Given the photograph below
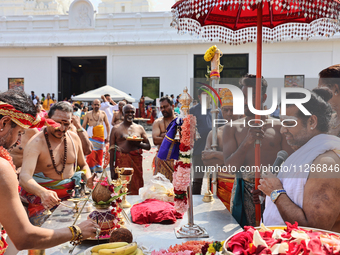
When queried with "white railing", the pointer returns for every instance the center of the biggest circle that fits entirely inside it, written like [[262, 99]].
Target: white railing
[[109, 29]]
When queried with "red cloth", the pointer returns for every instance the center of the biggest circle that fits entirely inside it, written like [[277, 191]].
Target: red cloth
[[154, 211], [132, 159]]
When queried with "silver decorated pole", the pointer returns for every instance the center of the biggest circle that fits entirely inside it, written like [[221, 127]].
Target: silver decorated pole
[[189, 230], [215, 79]]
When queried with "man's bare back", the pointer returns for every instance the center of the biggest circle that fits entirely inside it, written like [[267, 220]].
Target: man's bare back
[[321, 193], [120, 132], [17, 152], [44, 164]]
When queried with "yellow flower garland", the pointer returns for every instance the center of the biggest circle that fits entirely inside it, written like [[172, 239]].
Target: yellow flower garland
[[211, 248], [210, 53]]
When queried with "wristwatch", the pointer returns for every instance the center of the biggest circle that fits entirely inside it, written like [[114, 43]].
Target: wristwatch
[[276, 193], [80, 130]]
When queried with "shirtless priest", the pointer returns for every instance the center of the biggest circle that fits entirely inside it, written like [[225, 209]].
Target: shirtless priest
[[125, 153], [49, 165], [95, 119], [17, 113], [159, 130]]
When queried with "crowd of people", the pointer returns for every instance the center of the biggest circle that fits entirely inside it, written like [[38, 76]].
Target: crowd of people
[[57, 145]]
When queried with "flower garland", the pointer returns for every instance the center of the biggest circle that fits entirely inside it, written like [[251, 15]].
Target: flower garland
[[3, 243], [210, 53], [5, 155], [193, 248], [182, 168]]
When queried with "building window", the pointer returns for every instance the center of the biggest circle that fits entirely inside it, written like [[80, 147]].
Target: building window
[[150, 87], [234, 67], [123, 8]]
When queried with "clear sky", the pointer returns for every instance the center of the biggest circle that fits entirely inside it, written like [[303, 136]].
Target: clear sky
[[157, 5]]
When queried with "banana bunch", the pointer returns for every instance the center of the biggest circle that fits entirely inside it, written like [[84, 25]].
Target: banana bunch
[[117, 248]]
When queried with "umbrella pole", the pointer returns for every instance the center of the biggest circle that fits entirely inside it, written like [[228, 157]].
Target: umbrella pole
[[258, 104], [214, 144]]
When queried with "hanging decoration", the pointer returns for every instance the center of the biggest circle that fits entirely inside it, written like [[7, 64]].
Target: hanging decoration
[[181, 177]]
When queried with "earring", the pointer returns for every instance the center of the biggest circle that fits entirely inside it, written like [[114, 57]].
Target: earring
[[335, 93], [311, 128], [1, 130]]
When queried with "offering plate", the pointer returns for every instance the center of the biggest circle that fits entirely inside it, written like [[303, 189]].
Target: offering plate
[[225, 246]]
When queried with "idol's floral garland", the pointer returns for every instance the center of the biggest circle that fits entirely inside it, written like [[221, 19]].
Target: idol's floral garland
[[181, 177]]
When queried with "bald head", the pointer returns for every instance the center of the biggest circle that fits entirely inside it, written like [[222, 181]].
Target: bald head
[[121, 104], [129, 112], [128, 107], [96, 105], [96, 101]]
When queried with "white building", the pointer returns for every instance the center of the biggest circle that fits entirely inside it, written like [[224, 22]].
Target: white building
[[34, 7], [119, 6], [81, 50]]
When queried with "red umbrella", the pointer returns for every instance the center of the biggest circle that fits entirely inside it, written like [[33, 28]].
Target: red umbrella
[[243, 21]]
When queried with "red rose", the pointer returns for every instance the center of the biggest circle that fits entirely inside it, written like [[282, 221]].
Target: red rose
[[183, 148], [179, 192]]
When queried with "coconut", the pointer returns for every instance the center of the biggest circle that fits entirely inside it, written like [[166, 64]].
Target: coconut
[[105, 221], [121, 235], [101, 193]]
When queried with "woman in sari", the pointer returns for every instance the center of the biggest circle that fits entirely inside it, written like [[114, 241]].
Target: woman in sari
[[149, 114], [142, 107], [47, 102]]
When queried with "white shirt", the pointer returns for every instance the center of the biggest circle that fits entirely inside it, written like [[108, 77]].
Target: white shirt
[[108, 109]]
